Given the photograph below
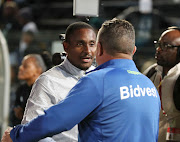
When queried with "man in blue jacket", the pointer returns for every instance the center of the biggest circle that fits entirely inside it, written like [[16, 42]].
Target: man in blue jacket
[[113, 103]]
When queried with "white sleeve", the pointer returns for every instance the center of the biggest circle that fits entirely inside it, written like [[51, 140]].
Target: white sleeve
[[43, 96], [38, 101]]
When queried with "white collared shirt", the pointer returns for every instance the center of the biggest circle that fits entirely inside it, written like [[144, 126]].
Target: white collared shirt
[[49, 89]]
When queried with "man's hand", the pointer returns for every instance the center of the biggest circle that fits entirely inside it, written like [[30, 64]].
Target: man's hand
[[6, 137]]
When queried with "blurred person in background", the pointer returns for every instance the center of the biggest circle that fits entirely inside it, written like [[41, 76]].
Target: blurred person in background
[[29, 30], [30, 69], [165, 76], [25, 19], [29, 45], [8, 18]]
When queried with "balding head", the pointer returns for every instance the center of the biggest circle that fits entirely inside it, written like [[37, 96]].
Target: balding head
[[168, 49], [171, 36]]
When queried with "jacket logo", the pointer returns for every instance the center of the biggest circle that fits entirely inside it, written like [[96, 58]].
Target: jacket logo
[[126, 92]]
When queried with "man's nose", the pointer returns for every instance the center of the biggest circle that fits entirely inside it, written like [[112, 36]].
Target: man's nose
[[87, 48], [20, 67]]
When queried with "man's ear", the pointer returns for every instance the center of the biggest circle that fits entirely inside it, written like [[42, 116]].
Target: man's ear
[[135, 48], [65, 45], [39, 71], [99, 49]]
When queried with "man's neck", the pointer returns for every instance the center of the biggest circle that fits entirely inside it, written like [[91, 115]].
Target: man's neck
[[165, 71]]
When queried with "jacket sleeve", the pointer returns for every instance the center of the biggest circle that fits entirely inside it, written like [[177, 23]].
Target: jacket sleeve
[[80, 102]]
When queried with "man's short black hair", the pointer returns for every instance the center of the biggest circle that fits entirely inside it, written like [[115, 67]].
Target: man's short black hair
[[76, 26]]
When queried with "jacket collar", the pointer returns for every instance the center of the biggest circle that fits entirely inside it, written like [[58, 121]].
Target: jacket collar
[[126, 64]]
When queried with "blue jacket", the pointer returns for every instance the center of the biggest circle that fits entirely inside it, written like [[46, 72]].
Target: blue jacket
[[114, 103]]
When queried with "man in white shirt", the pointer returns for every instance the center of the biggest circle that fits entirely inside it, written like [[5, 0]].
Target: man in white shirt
[[53, 86]]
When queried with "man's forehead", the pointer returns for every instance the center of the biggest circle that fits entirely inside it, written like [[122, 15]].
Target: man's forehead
[[84, 30], [170, 35], [177, 40], [83, 34]]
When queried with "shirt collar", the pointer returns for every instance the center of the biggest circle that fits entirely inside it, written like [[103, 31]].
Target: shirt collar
[[174, 69], [158, 68], [126, 64], [70, 68]]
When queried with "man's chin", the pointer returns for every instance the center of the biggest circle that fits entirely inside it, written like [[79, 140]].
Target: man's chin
[[163, 64], [160, 63], [85, 66]]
